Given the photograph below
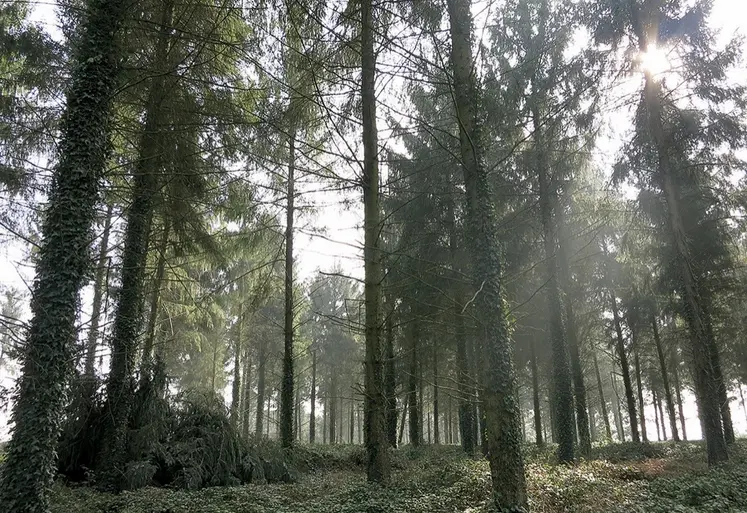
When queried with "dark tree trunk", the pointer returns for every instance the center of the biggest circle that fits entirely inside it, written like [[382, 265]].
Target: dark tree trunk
[[111, 457], [436, 432], [332, 402], [312, 415], [390, 380], [297, 411], [574, 351], [536, 397], [150, 331], [499, 380], [657, 405], [261, 371], [246, 401], [561, 371], [656, 417], [602, 401], [63, 262], [404, 419], [286, 390], [352, 420], [641, 410], [678, 395], [377, 467], [625, 368], [703, 345], [412, 380], [618, 417], [665, 380], [99, 287], [236, 386]]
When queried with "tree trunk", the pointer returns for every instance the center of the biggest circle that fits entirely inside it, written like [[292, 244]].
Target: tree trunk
[[502, 412], [352, 420], [656, 417], [536, 397], [99, 286], [286, 392], [625, 368], [404, 419], [704, 349], [390, 379], [436, 433], [377, 468], [297, 411], [236, 387], [412, 380], [574, 351], [678, 395], [665, 380], [63, 262], [261, 371], [657, 405], [111, 457], [312, 415], [146, 363], [561, 372], [618, 417], [247, 392], [332, 402], [641, 410], [602, 401]]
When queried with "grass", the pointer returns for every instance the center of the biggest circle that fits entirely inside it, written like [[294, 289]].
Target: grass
[[655, 478]]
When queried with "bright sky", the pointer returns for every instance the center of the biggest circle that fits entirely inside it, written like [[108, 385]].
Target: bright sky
[[343, 237]]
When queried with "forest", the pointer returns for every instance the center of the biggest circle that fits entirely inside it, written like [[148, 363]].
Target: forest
[[371, 256]]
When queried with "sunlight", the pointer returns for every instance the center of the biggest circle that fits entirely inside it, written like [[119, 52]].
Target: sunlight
[[654, 60]]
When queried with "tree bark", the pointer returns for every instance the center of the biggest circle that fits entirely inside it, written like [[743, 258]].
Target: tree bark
[[146, 363], [618, 417], [602, 402], [63, 262], [641, 410], [412, 385], [561, 372], [261, 372], [536, 397], [656, 417], [502, 412], [625, 368], [390, 379], [436, 432], [246, 400], [286, 392], [236, 386], [312, 414], [111, 457], [377, 468], [99, 286], [678, 395], [665, 380], [657, 405], [332, 403]]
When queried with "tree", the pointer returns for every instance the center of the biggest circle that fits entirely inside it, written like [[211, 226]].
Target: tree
[[501, 409], [84, 148]]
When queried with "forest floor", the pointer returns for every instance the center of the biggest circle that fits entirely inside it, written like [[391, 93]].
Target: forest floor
[[652, 478]]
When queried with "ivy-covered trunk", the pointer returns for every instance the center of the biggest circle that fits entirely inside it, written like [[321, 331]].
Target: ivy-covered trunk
[[499, 398], [377, 467], [286, 390], [63, 262], [127, 320]]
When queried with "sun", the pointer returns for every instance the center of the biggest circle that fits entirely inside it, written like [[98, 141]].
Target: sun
[[654, 61]]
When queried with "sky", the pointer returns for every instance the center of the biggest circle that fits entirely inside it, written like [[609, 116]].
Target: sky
[[343, 238]]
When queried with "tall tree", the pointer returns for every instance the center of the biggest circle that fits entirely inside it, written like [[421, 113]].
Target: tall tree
[[501, 408], [63, 261]]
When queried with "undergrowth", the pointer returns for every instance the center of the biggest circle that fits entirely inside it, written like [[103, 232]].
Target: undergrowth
[[658, 478]]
